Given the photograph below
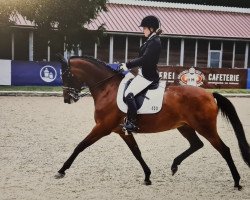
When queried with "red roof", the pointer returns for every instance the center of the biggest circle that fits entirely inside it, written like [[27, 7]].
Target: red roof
[[175, 21]]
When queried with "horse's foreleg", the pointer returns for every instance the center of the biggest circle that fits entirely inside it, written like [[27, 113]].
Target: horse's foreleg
[[132, 144], [96, 134], [195, 144]]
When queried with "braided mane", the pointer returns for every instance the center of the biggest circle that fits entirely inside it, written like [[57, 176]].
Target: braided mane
[[94, 61]]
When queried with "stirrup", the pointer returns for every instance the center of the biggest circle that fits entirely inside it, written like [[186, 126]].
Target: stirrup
[[129, 127]]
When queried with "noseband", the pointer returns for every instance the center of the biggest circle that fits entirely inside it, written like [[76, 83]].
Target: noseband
[[71, 91], [75, 93]]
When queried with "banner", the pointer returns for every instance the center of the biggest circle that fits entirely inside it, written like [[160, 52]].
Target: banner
[[205, 77], [25, 73], [35, 73], [248, 79], [5, 72]]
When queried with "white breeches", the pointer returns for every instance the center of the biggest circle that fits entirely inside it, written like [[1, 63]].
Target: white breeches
[[138, 84]]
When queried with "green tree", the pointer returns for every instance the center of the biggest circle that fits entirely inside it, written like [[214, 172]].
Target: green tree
[[6, 9], [65, 17]]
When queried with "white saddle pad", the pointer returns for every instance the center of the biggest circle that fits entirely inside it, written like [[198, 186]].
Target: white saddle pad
[[151, 104]]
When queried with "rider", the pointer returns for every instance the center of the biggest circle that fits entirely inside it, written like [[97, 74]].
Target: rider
[[147, 60]]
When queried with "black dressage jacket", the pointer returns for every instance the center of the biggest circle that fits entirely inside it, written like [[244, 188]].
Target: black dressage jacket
[[149, 54]]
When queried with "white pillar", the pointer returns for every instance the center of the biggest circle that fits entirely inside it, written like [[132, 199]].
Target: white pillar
[[111, 49], [65, 53], [208, 56], [233, 59], [182, 52], [95, 53], [48, 55], [79, 50], [31, 46], [246, 55], [168, 47], [12, 46], [140, 41], [195, 54], [221, 53], [126, 49]]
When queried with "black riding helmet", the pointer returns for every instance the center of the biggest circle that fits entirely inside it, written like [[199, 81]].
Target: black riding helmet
[[150, 22]]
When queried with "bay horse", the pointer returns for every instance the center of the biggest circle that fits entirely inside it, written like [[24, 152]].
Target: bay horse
[[189, 109]]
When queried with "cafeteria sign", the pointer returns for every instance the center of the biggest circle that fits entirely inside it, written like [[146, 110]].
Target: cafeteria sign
[[204, 77]]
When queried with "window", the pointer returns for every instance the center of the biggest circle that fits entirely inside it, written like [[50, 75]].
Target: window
[[215, 58], [215, 54]]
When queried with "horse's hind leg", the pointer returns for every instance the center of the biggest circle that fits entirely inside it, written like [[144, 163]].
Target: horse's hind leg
[[219, 145], [130, 141], [195, 144], [97, 133]]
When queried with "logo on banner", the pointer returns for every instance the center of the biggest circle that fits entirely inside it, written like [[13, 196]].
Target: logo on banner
[[191, 77], [48, 73]]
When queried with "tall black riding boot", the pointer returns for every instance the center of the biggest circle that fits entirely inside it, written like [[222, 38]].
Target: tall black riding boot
[[131, 114]]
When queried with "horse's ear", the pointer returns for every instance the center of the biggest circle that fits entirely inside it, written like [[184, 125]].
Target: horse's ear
[[62, 60]]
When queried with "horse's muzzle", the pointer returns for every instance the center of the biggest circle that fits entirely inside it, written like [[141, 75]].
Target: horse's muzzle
[[70, 100]]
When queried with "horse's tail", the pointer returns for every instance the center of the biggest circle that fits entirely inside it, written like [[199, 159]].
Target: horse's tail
[[228, 111], [62, 60]]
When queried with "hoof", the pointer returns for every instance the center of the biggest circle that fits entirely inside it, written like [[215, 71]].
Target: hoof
[[239, 187], [147, 182], [59, 175], [174, 170]]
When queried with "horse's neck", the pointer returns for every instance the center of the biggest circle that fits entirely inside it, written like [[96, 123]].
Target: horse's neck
[[89, 72], [106, 92], [98, 75], [98, 78]]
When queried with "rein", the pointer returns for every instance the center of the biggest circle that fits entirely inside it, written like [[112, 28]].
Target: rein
[[76, 93], [103, 81]]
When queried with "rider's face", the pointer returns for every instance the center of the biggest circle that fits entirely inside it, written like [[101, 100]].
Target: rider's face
[[146, 31]]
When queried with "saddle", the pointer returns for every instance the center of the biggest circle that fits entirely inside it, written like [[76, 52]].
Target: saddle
[[148, 101]]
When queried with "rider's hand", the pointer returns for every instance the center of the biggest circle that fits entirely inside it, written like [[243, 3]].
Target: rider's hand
[[123, 67]]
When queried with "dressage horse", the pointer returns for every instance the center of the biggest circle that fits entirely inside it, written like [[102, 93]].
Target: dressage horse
[[189, 109]]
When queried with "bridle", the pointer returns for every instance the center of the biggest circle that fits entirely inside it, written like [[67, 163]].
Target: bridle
[[76, 93]]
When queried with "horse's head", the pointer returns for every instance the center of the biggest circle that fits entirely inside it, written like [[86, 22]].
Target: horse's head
[[84, 71], [71, 86]]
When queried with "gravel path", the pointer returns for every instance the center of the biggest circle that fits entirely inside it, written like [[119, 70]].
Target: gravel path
[[37, 134]]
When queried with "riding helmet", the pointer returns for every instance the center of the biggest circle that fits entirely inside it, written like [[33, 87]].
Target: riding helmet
[[150, 22]]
